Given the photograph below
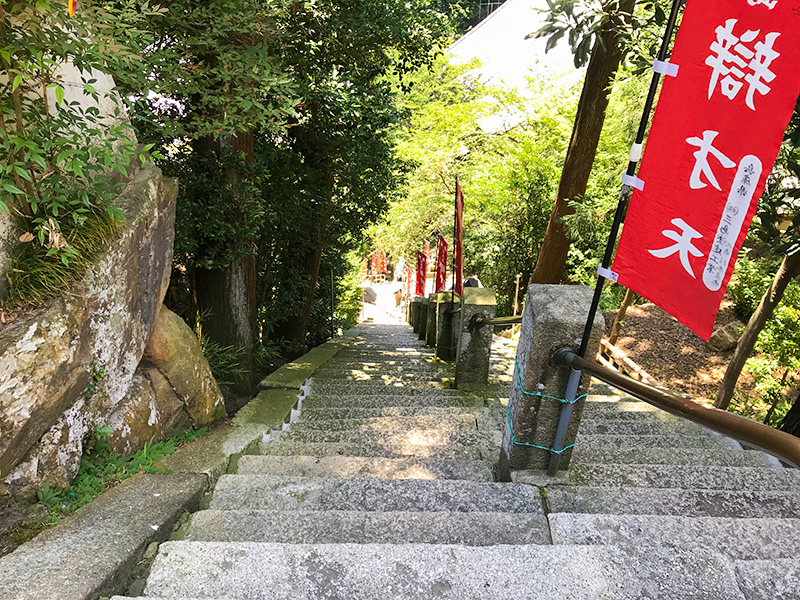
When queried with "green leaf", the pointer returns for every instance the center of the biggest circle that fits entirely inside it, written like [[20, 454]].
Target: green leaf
[[17, 81]]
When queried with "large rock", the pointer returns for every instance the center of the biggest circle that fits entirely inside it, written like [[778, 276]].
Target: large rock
[[86, 345], [176, 352], [726, 338]]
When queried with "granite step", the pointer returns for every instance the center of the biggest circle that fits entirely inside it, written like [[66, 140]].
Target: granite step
[[327, 414], [271, 492], [419, 438], [388, 385], [415, 379], [424, 398], [665, 441], [742, 539], [265, 571], [775, 579], [358, 466], [680, 502], [684, 476], [353, 527], [377, 449], [594, 426], [674, 456], [440, 423]]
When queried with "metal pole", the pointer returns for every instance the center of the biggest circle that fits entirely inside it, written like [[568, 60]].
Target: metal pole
[[516, 296], [619, 217], [333, 299]]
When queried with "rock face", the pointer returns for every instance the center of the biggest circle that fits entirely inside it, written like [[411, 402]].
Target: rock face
[[70, 366], [726, 338]]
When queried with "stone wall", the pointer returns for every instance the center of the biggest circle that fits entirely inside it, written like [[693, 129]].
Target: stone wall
[[75, 363]]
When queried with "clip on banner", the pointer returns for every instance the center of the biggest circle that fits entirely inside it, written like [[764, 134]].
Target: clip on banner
[[632, 181], [607, 273], [663, 67], [636, 153]]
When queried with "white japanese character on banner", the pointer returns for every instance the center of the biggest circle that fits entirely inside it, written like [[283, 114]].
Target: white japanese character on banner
[[683, 244], [701, 165], [730, 57], [770, 4]]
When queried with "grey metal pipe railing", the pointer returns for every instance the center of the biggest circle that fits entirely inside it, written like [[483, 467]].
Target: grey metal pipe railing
[[498, 321], [778, 443]]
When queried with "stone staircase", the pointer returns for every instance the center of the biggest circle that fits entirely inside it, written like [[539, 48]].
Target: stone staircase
[[384, 489]]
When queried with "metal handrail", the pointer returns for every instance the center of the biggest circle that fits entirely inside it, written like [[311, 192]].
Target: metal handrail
[[778, 443], [498, 321]]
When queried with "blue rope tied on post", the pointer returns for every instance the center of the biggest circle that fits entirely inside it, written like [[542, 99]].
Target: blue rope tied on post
[[527, 393]]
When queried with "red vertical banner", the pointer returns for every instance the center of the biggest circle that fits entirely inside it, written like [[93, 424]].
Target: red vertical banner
[[383, 262], [458, 243], [365, 269], [374, 264], [441, 265], [409, 280], [422, 272], [427, 249], [714, 138]]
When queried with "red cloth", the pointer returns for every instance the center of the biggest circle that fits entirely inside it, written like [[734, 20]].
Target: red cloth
[[441, 265], [422, 272], [458, 243], [374, 270], [714, 138], [383, 262]]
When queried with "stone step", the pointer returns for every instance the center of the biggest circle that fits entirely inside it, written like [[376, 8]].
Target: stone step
[[769, 579], [743, 539], [391, 385], [352, 527], [419, 439], [673, 456], [395, 449], [358, 466], [440, 423], [683, 502], [265, 571], [419, 379], [386, 363], [236, 492], [656, 441], [327, 414], [597, 407], [627, 427], [422, 399], [684, 476]]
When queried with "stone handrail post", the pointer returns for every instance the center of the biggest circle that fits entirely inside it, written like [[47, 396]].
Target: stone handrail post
[[474, 342], [446, 340], [554, 317], [422, 316], [433, 314], [413, 313]]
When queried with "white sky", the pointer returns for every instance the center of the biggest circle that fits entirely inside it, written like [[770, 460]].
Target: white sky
[[506, 56]]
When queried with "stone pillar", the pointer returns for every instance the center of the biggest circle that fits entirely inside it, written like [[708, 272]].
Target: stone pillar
[[554, 318], [423, 317], [430, 329], [416, 301], [445, 332], [474, 343]]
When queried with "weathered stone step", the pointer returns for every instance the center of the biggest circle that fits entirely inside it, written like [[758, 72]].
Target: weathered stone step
[[681, 502], [385, 449], [413, 438], [769, 579], [326, 414], [441, 423], [626, 427], [264, 571], [387, 363], [352, 527], [359, 466], [236, 492], [360, 400], [417, 379], [386, 385], [684, 476], [744, 539], [596, 407], [673, 456], [656, 441]]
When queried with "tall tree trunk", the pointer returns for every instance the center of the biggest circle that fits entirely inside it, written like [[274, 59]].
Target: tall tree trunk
[[226, 299], [603, 65], [791, 422], [623, 309], [789, 269]]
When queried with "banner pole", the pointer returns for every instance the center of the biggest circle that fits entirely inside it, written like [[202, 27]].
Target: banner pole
[[619, 215]]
